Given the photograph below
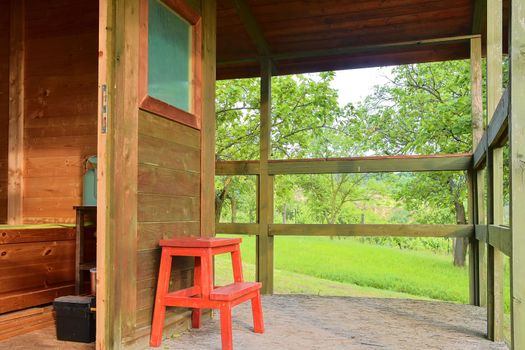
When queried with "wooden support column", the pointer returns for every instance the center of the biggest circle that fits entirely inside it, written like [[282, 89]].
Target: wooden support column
[[105, 290], [265, 200], [482, 246], [208, 118], [476, 89], [16, 114], [517, 173], [495, 258]]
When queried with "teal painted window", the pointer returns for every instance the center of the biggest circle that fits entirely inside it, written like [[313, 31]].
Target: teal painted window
[[169, 56]]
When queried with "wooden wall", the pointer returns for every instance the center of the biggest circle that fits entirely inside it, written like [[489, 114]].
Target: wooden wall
[[4, 104], [153, 182], [168, 202], [60, 121], [36, 266]]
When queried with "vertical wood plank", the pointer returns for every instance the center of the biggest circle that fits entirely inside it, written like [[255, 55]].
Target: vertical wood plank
[[476, 89], [482, 246], [209, 10], [122, 173], [16, 113], [473, 245], [494, 171], [105, 291], [517, 174], [264, 241]]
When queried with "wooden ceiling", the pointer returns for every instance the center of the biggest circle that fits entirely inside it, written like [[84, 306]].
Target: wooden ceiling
[[317, 35]]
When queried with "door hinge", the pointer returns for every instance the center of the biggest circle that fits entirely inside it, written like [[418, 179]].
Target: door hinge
[[104, 109]]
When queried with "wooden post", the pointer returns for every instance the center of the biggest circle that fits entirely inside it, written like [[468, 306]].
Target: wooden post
[[482, 246], [476, 89], [208, 119], [264, 240], [16, 114], [105, 310], [517, 173], [495, 259]]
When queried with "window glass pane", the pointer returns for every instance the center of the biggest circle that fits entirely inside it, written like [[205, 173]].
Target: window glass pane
[[169, 56]]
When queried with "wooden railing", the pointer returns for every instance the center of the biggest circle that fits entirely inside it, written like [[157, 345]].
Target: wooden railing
[[266, 230]]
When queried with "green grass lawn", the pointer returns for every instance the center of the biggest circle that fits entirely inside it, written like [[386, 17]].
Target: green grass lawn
[[320, 265]]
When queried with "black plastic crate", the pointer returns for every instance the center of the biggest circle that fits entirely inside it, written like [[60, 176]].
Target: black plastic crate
[[74, 318]]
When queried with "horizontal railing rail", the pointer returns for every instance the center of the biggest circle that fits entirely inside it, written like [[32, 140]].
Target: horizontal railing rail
[[357, 230], [496, 133], [374, 164], [497, 236]]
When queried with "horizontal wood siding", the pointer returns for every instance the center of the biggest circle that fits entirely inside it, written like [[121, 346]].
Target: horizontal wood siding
[[36, 266], [4, 104], [60, 123], [168, 203]]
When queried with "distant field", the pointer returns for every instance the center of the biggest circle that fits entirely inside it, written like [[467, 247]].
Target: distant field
[[320, 265]]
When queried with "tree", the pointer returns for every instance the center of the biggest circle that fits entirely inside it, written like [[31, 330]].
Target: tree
[[425, 109], [303, 107]]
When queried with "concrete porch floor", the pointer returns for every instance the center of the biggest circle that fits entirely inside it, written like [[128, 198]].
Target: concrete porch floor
[[313, 322]]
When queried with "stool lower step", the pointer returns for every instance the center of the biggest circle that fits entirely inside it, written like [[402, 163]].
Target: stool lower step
[[233, 291]]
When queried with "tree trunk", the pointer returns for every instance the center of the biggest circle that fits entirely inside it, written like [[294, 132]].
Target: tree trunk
[[460, 243], [284, 213], [233, 203], [220, 197]]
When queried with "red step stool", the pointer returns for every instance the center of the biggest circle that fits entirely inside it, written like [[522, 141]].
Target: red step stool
[[204, 294]]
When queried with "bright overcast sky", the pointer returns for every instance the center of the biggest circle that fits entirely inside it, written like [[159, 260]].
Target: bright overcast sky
[[354, 85]]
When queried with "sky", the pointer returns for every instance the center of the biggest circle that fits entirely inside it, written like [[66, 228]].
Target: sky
[[354, 85]]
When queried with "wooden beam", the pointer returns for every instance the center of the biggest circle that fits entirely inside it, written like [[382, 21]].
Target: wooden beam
[[241, 167], [122, 174], [479, 19], [480, 154], [481, 232], [495, 258], [105, 240], [476, 88], [238, 229], [496, 133], [387, 230], [495, 235], [454, 162], [207, 215], [500, 238], [253, 29], [350, 50], [482, 246], [473, 267], [265, 189], [497, 130], [372, 164], [15, 188], [517, 171]]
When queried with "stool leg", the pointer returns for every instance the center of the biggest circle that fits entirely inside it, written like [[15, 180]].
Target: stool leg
[[197, 281], [258, 323], [226, 327], [237, 265], [159, 311]]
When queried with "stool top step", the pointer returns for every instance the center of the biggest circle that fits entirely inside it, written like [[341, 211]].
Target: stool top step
[[198, 242]]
